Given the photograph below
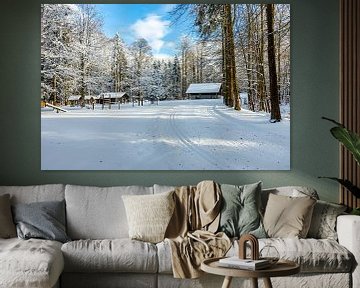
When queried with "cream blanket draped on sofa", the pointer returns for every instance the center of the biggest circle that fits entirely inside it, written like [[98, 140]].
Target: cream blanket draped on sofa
[[191, 232]]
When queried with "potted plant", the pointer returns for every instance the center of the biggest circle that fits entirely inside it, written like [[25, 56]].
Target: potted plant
[[351, 141]]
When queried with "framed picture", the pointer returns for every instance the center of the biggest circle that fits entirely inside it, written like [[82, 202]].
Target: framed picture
[[165, 87]]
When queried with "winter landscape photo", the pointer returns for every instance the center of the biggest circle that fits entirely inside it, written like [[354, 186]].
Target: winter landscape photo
[[165, 87]]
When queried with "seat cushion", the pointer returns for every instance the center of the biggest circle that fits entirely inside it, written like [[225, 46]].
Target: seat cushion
[[117, 255], [30, 263], [313, 255], [98, 212]]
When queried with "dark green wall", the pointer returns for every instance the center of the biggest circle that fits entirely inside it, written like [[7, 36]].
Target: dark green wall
[[314, 49]]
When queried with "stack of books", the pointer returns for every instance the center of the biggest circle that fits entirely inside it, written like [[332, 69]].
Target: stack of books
[[248, 264]]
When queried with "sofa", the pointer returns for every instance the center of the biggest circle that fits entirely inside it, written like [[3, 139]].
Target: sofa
[[100, 253]]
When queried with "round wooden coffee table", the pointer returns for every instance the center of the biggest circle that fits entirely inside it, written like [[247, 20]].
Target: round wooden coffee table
[[281, 268]]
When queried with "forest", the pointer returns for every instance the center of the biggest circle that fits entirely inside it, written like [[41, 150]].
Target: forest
[[246, 47]]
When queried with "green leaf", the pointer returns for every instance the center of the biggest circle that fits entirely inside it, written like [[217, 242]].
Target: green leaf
[[355, 211], [333, 121], [348, 185], [349, 139]]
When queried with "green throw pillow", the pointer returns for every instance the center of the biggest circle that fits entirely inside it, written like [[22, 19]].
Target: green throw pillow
[[240, 213]]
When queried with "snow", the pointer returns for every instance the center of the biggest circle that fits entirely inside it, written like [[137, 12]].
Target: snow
[[174, 135], [74, 97], [112, 95], [204, 88]]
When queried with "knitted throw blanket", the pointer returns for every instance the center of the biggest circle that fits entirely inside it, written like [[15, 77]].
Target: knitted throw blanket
[[191, 231]]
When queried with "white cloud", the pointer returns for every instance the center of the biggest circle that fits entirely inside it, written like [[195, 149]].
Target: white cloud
[[153, 29]]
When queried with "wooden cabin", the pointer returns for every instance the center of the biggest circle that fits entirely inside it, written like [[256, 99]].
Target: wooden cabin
[[204, 91]]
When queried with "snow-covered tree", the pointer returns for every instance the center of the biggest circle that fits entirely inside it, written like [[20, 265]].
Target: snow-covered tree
[[141, 58], [89, 49], [120, 69], [58, 73]]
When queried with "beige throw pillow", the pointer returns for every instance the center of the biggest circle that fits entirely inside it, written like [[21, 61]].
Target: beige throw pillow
[[288, 217], [7, 226], [148, 215]]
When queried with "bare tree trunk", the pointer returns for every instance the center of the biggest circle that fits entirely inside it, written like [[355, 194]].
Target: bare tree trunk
[[224, 61], [260, 64], [230, 68], [83, 75], [274, 95]]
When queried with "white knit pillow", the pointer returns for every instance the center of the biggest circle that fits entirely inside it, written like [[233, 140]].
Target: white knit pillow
[[149, 215]]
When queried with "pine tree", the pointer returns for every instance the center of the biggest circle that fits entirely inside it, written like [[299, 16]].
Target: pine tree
[[175, 78]]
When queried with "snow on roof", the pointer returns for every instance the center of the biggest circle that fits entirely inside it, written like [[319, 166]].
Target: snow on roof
[[204, 88], [74, 97], [112, 95], [77, 97]]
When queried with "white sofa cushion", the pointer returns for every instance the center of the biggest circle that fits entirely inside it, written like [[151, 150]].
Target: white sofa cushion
[[117, 255], [313, 255], [35, 193], [98, 212], [30, 263]]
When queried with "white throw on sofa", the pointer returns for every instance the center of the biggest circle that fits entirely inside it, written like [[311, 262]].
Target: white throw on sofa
[[102, 255]]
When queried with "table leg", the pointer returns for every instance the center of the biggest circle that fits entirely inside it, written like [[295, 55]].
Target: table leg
[[227, 282], [254, 282], [267, 283]]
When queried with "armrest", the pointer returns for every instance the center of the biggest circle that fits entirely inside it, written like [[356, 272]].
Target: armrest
[[348, 230]]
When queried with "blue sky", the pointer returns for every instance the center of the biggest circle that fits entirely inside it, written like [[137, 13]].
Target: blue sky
[[149, 21]]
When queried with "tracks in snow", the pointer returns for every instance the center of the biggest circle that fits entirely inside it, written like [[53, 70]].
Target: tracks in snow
[[190, 145]]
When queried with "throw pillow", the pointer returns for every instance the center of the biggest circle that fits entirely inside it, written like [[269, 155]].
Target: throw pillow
[[288, 217], [43, 220], [240, 213], [323, 222], [149, 215], [7, 227]]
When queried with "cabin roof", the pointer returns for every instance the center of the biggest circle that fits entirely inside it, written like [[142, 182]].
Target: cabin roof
[[112, 95], [203, 88]]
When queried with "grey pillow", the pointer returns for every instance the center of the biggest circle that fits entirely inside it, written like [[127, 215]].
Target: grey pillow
[[7, 227], [44, 220], [323, 222], [240, 213]]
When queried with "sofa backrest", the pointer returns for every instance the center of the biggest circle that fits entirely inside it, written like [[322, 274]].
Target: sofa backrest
[[162, 188], [35, 193], [98, 212]]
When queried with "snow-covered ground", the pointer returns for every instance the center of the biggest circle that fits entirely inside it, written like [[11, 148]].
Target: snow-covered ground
[[175, 135]]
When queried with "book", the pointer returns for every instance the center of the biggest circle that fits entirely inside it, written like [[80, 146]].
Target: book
[[248, 264]]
